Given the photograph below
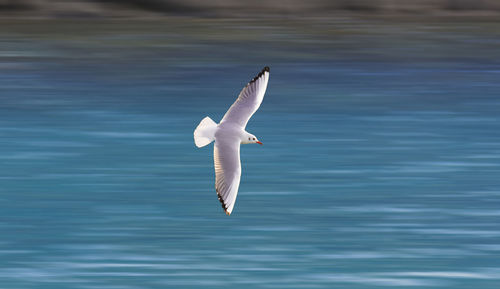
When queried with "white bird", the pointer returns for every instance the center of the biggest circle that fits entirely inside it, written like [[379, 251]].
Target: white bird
[[228, 136]]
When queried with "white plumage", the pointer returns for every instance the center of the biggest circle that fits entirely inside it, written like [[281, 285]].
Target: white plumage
[[228, 136]]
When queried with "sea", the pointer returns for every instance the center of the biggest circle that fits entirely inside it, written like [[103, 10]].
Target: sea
[[380, 166]]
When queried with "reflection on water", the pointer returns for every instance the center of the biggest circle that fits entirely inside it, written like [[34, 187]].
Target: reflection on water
[[380, 165]]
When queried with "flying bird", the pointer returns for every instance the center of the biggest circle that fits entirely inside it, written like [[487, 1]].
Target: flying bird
[[228, 135]]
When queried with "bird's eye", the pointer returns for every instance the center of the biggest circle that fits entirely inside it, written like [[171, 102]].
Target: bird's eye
[[253, 138]]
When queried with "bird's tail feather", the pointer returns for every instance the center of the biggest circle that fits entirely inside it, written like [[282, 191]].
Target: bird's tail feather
[[204, 133]]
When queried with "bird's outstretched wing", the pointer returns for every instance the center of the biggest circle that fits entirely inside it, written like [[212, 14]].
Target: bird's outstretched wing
[[227, 171], [249, 100]]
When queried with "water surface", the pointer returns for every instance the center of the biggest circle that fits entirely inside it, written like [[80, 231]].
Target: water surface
[[379, 167]]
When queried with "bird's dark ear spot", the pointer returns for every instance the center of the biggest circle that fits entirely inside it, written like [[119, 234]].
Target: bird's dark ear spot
[[249, 138]]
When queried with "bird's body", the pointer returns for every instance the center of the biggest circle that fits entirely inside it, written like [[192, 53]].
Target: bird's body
[[228, 135]]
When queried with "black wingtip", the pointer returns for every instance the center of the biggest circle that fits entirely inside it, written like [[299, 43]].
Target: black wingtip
[[221, 200], [266, 69]]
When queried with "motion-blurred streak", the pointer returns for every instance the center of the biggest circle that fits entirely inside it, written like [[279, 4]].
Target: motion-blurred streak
[[235, 8]]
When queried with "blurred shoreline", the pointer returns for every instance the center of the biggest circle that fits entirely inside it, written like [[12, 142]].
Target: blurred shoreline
[[160, 9]]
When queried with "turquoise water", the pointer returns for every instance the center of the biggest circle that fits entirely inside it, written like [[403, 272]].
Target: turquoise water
[[380, 165]]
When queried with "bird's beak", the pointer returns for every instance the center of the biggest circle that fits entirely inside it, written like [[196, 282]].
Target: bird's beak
[[259, 142]]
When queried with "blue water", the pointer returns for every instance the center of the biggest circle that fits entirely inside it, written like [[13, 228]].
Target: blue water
[[380, 166]]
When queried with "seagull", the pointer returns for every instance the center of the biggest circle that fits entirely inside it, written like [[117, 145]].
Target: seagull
[[228, 135]]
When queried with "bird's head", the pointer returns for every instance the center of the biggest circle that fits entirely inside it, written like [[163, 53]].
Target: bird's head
[[250, 138]]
